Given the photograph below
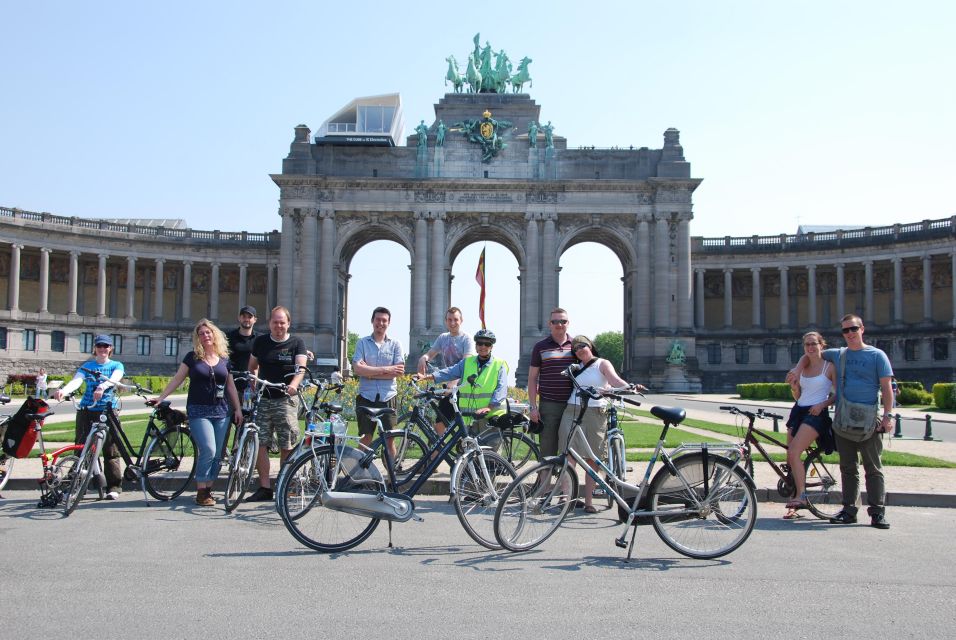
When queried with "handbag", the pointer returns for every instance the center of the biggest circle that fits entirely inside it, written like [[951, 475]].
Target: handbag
[[855, 421]]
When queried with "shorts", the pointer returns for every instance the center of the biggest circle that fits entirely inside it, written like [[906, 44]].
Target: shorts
[[366, 426], [822, 424], [594, 425], [278, 419]]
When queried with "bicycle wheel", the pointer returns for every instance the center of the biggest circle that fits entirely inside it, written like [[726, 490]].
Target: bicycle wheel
[[702, 525], [476, 500], [240, 469], [617, 462], [518, 449], [299, 499], [79, 474], [409, 450], [169, 462], [533, 506], [824, 494], [6, 468]]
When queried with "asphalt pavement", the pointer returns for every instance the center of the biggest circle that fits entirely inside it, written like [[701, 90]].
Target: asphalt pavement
[[121, 569]]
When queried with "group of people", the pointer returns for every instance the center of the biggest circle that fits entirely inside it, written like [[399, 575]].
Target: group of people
[[862, 375]]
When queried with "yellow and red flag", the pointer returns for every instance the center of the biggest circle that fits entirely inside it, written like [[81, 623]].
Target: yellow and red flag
[[480, 277]]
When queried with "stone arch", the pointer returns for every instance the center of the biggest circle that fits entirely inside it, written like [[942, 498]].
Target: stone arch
[[479, 231], [352, 237], [616, 239]]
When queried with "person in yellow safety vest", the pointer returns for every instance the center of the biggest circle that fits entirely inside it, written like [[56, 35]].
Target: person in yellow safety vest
[[484, 382]]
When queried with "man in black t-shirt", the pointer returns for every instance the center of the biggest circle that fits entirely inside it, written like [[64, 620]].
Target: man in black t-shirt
[[240, 342], [274, 355]]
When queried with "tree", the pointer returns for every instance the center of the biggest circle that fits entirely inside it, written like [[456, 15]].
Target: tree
[[353, 340], [610, 345]]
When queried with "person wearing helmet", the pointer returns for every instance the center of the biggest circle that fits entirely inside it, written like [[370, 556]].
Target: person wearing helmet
[[484, 382]]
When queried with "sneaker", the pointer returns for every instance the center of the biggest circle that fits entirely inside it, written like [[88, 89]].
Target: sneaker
[[204, 498], [262, 494], [879, 521], [843, 517], [112, 495]]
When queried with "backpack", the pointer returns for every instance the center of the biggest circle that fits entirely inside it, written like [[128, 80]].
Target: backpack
[[20, 435]]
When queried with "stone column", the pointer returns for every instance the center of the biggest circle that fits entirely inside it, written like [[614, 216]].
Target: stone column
[[685, 307], [868, 290], [286, 259], [841, 290], [420, 274], [130, 287], [927, 288], [728, 298], [243, 285], [101, 286], [158, 292], [812, 295], [755, 297], [952, 278], [328, 274], [13, 295], [531, 279], [308, 269], [662, 280], [187, 289], [271, 286], [214, 291], [74, 280], [699, 319], [549, 267], [897, 290], [439, 276], [784, 296], [44, 280], [642, 301]]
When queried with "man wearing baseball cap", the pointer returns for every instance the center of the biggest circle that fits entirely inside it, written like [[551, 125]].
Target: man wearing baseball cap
[[240, 342], [99, 397]]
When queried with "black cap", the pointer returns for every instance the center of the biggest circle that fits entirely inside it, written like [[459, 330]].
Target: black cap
[[249, 311]]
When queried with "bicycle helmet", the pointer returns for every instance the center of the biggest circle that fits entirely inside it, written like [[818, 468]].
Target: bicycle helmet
[[486, 335]]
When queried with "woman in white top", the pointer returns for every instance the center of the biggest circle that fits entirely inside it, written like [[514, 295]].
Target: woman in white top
[[600, 374], [809, 419]]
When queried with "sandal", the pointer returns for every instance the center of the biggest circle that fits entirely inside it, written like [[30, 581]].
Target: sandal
[[793, 514], [590, 509]]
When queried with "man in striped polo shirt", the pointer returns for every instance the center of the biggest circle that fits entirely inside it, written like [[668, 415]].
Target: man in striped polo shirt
[[548, 390]]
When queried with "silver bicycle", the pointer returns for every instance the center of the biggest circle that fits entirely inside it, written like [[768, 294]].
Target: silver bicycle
[[700, 502]]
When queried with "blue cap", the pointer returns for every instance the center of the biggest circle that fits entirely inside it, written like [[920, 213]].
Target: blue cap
[[103, 339]]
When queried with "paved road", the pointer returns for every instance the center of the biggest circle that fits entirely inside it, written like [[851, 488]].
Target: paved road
[[120, 569]]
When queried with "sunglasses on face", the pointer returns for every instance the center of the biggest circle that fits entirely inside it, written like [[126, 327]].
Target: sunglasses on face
[[102, 346], [483, 344], [810, 344], [559, 322], [852, 329], [578, 347]]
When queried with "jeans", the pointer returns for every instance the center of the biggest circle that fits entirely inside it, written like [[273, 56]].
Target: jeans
[[209, 434]]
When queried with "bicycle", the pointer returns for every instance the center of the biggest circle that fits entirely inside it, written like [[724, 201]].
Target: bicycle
[[54, 464], [165, 460], [823, 495], [616, 459], [334, 497], [245, 449], [700, 503]]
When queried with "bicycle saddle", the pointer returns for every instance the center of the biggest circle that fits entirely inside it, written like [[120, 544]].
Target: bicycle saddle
[[377, 413], [670, 415]]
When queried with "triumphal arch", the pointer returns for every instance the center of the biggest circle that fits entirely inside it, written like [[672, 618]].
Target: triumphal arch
[[485, 169]]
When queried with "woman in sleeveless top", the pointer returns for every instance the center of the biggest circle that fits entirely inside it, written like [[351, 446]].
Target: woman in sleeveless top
[[809, 419], [597, 373]]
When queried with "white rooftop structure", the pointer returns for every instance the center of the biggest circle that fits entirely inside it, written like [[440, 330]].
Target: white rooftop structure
[[372, 120]]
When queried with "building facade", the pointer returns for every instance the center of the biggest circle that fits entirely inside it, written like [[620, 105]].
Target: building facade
[[736, 306]]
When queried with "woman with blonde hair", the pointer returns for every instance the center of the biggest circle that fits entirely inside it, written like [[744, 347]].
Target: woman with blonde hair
[[210, 386], [810, 416]]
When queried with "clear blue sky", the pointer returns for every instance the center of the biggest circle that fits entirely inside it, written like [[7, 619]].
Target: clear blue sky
[[792, 113]]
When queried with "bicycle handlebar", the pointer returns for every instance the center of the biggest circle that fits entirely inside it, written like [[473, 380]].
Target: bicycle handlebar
[[760, 413]]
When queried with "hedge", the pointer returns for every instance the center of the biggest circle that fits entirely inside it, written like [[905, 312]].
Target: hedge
[[944, 395], [764, 391]]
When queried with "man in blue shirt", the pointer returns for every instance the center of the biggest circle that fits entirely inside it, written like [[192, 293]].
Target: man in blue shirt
[[377, 361], [868, 379]]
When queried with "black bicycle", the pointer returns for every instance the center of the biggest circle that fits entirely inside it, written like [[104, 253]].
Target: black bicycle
[[165, 460]]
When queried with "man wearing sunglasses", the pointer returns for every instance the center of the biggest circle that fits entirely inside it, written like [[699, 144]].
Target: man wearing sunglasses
[[868, 378], [99, 396], [548, 389]]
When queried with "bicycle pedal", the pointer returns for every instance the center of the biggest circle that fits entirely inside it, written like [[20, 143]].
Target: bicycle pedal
[[417, 518], [620, 543]]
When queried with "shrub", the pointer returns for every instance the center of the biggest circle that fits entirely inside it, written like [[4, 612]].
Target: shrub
[[764, 391], [909, 395], [944, 395]]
